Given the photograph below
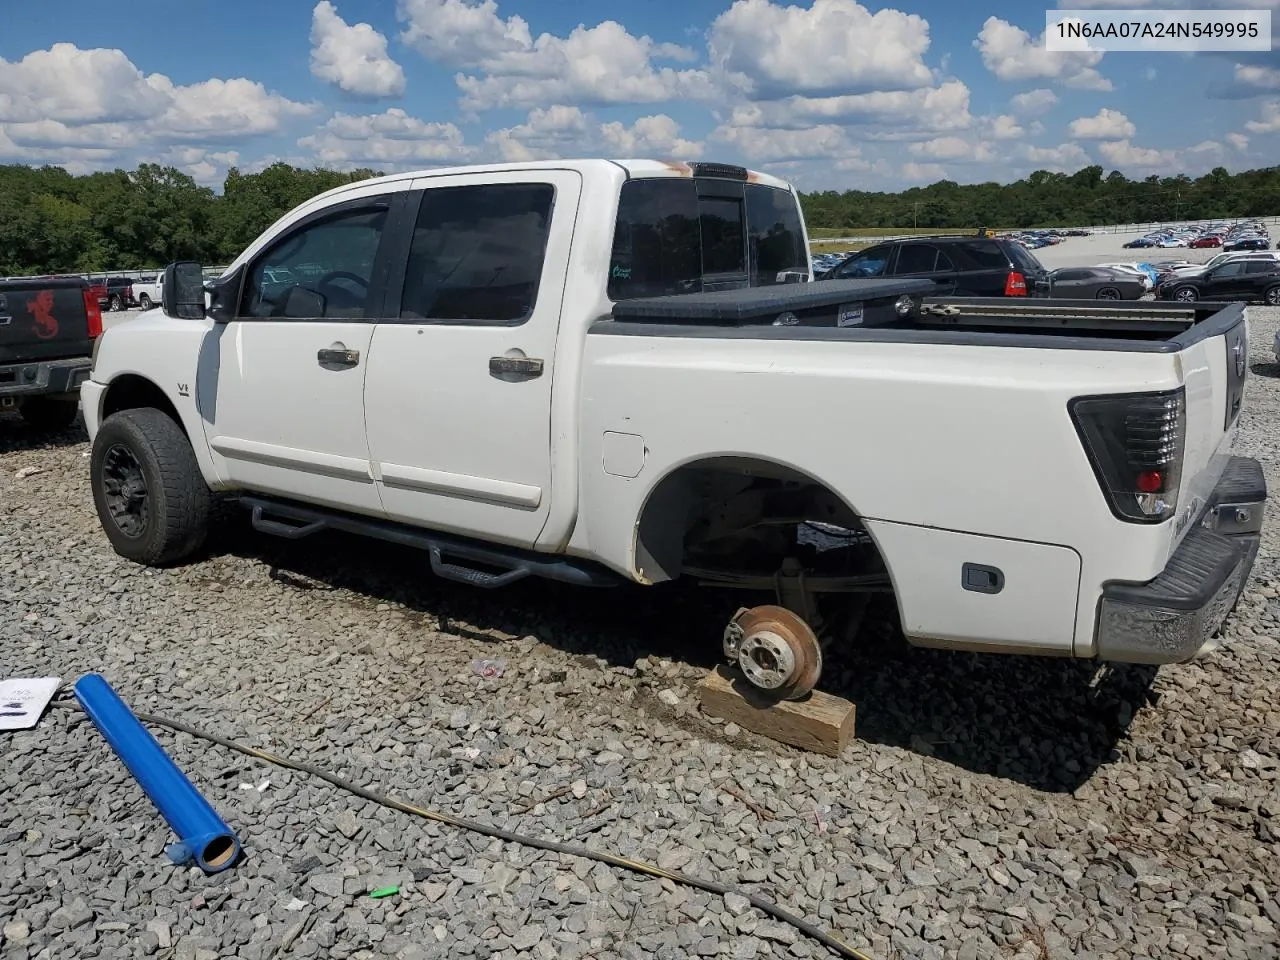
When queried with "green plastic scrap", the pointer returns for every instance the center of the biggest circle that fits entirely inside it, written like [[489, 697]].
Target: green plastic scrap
[[383, 892]]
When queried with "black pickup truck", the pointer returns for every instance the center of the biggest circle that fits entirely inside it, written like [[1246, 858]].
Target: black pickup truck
[[47, 331]]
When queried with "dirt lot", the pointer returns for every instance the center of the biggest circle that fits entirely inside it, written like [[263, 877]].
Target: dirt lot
[[992, 807]]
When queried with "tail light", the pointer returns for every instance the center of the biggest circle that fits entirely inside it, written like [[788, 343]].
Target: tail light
[[93, 313], [1135, 444], [1015, 285]]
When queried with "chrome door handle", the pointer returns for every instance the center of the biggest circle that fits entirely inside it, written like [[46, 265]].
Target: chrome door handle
[[337, 357], [512, 369]]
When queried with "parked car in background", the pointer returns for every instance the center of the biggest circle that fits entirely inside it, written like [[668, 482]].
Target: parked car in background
[[1096, 283], [968, 266], [1250, 280], [1221, 258], [146, 290], [115, 293], [47, 331], [1149, 274], [1211, 240], [1247, 243], [1140, 242]]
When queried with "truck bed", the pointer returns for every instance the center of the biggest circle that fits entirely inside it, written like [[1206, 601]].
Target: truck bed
[[43, 320], [816, 311]]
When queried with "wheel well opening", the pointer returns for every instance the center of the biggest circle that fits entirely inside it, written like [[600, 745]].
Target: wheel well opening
[[744, 514], [131, 391]]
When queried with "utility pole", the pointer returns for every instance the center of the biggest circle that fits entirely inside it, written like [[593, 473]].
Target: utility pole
[[1177, 210], [915, 215]]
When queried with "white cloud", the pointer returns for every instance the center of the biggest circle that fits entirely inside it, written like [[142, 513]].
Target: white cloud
[[52, 134], [768, 50], [79, 88], [1064, 158], [1270, 122], [1128, 156], [458, 33], [917, 173], [602, 64], [352, 58], [386, 141], [918, 113], [224, 110], [206, 167], [1107, 125], [1149, 74], [1238, 140], [90, 109], [70, 85], [954, 149], [773, 145], [1033, 102], [1249, 80], [648, 136], [1010, 53], [1004, 127], [562, 130]]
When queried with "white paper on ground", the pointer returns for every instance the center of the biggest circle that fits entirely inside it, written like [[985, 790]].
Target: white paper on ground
[[23, 699]]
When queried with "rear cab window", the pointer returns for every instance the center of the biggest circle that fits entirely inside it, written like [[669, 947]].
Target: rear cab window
[[682, 235]]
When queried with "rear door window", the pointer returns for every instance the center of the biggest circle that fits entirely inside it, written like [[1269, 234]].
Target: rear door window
[[668, 239], [988, 254], [916, 258]]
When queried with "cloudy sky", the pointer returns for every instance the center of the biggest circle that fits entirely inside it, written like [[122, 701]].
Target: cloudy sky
[[829, 93]]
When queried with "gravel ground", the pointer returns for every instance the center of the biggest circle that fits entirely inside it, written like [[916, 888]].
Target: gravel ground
[[991, 807]]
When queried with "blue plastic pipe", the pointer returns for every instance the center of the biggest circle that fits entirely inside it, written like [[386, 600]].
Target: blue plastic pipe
[[202, 834]]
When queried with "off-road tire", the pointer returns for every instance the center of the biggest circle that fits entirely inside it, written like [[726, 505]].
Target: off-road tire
[[177, 498], [51, 414], [116, 303], [144, 302]]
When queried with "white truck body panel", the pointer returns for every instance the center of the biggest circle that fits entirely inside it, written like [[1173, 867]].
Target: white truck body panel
[[949, 452]]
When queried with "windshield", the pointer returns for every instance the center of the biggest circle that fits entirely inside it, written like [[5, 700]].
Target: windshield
[[672, 237]]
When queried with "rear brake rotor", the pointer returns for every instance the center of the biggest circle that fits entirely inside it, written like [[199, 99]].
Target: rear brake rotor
[[777, 652]]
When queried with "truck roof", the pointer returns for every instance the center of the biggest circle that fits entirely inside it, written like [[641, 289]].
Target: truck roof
[[638, 167]]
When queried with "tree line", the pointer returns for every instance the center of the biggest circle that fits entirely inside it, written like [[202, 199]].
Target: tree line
[[54, 222]]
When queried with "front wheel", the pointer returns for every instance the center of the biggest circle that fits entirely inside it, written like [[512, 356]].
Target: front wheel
[[1186, 295], [1272, 296], [152, 501], [1109, 293]]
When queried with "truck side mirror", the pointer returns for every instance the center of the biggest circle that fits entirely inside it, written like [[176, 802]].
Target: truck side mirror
[[182, 290]]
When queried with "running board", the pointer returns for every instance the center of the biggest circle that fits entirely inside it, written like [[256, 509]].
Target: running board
[[452, 558]]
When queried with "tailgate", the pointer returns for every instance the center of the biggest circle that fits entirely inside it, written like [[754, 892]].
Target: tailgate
[[42, 321], [1215, 364]]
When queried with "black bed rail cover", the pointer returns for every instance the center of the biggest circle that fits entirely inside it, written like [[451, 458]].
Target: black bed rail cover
[[762, 304]]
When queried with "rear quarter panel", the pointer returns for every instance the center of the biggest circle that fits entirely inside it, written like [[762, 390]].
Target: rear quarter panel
[[914, 437]]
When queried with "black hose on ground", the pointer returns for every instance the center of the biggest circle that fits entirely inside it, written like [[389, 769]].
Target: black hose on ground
[[828, 940]]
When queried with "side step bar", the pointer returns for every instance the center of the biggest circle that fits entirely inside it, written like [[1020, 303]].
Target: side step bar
[[452, 558]]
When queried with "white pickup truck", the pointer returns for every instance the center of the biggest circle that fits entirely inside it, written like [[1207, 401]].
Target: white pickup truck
[[600, 371]]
